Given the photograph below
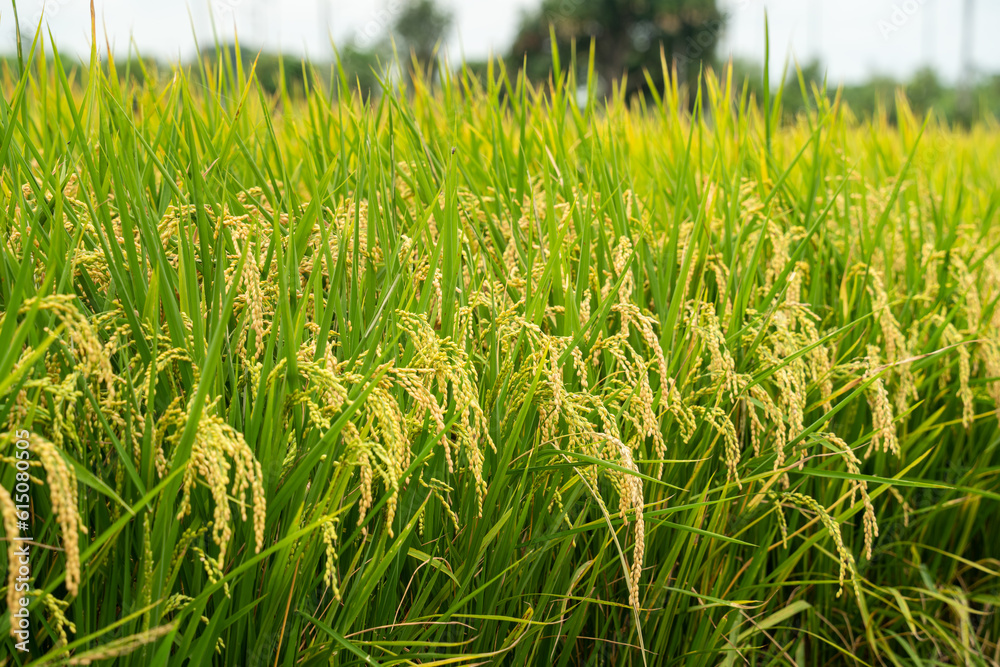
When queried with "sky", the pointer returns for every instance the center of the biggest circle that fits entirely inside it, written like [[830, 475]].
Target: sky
[[854, 39]]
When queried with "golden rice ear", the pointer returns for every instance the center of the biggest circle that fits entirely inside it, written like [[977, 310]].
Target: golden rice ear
[[782, 525], [85, 343], [846, 558], [897, 348], [57, 615], [853, 464], [884, 430], [61, 481], [450, 364], [216, 444], [329, 532], [964, 390], [820, 364], [120, 647], [633, 489], [255, 300]]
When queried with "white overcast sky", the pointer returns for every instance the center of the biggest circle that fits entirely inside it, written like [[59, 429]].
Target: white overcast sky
[[853, 38]]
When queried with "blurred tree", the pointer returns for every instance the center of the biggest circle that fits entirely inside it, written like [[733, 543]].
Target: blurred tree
[[925, 91], [272, 71], [794, 97], [627, 36], [746, 71], [420, 27], [363, 67]]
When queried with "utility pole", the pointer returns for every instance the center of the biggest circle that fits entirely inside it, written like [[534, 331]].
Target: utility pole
[[965, 78], [927, 19], [325, 39], [259, 22], [816, 28], [967, 12]]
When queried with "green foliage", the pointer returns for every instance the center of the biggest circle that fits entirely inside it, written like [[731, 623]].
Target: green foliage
[[924, 91], [628, 38], [274, 71], [418, 380], [421, 26]]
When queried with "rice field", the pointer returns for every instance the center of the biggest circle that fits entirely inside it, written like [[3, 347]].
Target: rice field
[[485, 373]]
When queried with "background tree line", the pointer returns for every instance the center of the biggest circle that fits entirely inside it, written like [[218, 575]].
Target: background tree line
[[629, 38]]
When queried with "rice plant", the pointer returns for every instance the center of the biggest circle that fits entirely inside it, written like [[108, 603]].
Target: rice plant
[[476, 372]]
